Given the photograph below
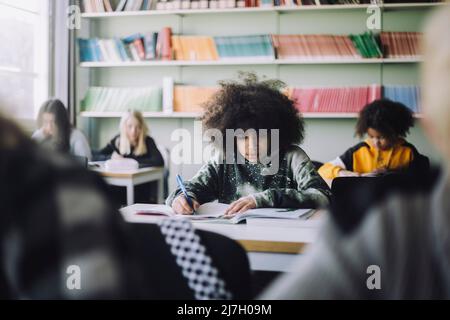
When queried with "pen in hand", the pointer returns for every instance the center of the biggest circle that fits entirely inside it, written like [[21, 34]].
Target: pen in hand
[[183, 189]]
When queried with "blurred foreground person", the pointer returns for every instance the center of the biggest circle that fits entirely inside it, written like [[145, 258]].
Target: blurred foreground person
[[402, 249], [55, 220]]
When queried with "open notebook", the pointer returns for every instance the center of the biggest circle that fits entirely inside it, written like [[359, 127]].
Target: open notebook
[[212, 212]]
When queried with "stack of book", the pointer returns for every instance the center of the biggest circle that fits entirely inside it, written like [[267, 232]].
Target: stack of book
[[165, 46], [191, 98], [137, 47], [334, 100], [313, 46], [255, 47], [401, 44], [408, 95], [194, 48], [101, 99], [367, 45]]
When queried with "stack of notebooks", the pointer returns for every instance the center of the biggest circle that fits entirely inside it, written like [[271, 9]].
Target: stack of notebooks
[[408, 95], [313, 46], [257, 46], [344, 99], [191, 98], [101, 99], [401, 44]]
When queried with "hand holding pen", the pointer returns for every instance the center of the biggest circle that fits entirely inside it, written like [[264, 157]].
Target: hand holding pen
[[183, 204]]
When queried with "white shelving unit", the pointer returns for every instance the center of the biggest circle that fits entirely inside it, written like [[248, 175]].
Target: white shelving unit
[[326, 19], [255, 10], [194, 115], [177, 63]]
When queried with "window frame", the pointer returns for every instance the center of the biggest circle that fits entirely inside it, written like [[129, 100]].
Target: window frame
[[41, 74]]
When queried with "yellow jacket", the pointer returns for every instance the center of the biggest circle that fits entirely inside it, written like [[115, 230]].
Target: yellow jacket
[[365, 158]]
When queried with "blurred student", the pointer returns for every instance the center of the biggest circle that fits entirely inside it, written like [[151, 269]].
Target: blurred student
[[54, 214], [385, 150], [56, 132], [402, 249], [134, 142], [242, 178]]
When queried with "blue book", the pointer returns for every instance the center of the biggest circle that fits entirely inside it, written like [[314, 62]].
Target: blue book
[[123, 53], [92, 50], [83, 49], [132, 38], [150, 40]]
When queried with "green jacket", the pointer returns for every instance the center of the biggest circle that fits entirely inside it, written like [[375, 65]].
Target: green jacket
[[296, 184]]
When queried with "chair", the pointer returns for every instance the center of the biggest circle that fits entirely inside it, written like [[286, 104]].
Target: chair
[[352, 197], [165, 152], [81, 160], [161, 274]]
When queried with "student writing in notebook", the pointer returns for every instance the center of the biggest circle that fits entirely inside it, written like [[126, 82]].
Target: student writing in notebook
[[386, 124], [135, 143], [56, 132], [243, 177]]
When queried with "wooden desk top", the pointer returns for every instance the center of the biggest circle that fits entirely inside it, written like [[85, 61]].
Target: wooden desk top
[[126, 174], [260, 238]]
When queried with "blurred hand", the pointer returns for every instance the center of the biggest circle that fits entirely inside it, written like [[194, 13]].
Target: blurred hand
[[241, 205], [346, 173], [375, 172], [116, 156], [181, 206]]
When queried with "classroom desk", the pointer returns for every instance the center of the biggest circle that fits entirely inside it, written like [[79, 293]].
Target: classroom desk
[[129, 179], [269, 248]]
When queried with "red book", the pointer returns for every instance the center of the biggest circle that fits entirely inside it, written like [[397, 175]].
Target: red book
[[166, 46], [140, 48]]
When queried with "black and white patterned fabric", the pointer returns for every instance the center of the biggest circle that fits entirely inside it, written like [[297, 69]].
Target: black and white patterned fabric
[[191, 256]]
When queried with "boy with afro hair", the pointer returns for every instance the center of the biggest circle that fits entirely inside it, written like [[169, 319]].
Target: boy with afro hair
[[245, 180]]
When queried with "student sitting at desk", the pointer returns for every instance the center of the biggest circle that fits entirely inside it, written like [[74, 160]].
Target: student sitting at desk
[[244, 179], [386, 124], [56, 131], [402, 248], [133, 142]]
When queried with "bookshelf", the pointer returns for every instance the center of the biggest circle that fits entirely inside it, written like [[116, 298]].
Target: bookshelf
[[388, 6], [238, 62], [325, 19], [311, 115]]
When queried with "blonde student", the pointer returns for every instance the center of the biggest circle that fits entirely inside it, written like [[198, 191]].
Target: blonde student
[[133, 142], [261, 163], [386, 124], [56, 132]]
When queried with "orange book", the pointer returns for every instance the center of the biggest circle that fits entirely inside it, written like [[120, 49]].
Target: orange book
[[191, 98], [177, 48]]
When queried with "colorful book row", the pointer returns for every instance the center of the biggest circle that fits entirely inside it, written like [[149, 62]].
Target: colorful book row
[[94, 6], [184, 98], [165, 46]]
